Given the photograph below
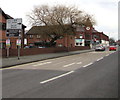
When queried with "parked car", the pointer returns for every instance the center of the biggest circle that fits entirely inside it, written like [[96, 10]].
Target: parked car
[[29, 47], [41, 47], [112, 48], [99, 48]]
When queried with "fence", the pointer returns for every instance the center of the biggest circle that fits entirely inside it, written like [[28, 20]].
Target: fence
[[35, 51]]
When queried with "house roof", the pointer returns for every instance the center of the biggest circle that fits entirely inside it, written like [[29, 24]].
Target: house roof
[[48, 29], [8, 16], [5, 15]]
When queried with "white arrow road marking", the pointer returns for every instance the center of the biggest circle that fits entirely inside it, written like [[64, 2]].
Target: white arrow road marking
[[51, 79], [68, 65], [42, 63], [88, 64]]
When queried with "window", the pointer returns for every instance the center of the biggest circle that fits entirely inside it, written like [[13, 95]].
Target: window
[[31, 36], [2, 45], [38, 36], [81, 36], [60, 45], [2, 26], [87, 36]]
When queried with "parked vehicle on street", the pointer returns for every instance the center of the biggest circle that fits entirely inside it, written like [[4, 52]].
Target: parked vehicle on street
[[29, 47], [99, 48], [112, 48], [41, 47]]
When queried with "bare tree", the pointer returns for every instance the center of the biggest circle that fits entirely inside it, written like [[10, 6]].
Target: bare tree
[[59, 20], [112, 41]]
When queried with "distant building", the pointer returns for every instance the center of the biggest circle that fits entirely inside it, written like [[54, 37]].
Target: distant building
[[36, 34], [84, 36], [118, 42]]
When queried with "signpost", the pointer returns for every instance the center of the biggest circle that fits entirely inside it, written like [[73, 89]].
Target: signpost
[[18, 45], [14, 23], [8, 46], [14, 28]]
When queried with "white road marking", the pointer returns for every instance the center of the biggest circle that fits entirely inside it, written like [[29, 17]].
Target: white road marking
[[88, 64], [51, 79], [79, 63], [99, 59], [107, 54], [96, 52], [68, 65], [42, 63], [59, 62]]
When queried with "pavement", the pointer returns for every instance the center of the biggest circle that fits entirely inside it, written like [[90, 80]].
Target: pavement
[[12, 61]]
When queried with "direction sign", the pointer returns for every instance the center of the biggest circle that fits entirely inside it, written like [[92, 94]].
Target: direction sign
[[14, 27], [8, 42], [13, 33], [18, 42], [14, 23]]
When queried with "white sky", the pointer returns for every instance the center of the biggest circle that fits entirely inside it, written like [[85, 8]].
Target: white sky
[[105, 12]]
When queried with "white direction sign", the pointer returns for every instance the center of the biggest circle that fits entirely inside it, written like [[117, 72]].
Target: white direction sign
[[8, 42], [14, 23], [18, 42]]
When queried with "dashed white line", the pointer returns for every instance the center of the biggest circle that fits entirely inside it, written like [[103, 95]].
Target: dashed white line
[[51, 79], [88, 64], [42, 63], [107, 54], [79, 63], [68, 65], [100, 59]]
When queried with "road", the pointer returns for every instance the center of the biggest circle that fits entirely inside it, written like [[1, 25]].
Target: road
[[86, 75]]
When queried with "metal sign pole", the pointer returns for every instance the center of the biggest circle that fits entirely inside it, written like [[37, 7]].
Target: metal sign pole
[[7, 52], [18, 52], [19, 44], [8, 46], [18, 48]]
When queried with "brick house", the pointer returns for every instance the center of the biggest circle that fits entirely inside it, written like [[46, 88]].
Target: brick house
[[84, 36], [100, 38], [36, 32], [3, 37]]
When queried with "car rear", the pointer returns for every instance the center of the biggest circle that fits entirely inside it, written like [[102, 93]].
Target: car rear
[[111, 48], [100, 48]]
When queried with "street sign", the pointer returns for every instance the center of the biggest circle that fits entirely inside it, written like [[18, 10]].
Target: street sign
[[18, 42], [14, 23], [8, 42], [14, 27], [12, 33]]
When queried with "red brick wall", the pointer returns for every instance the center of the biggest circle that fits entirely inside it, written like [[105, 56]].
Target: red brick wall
[[66, 41], [35, 51]]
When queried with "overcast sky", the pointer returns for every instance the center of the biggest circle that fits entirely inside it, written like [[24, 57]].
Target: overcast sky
[[105, 12]]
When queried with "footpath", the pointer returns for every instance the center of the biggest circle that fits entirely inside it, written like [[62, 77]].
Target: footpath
[[12, 61]]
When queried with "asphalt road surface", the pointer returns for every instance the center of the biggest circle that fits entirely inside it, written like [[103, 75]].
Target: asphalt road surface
[[87, 75]]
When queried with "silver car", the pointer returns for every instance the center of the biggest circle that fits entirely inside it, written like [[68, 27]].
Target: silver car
[[99, 48]]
